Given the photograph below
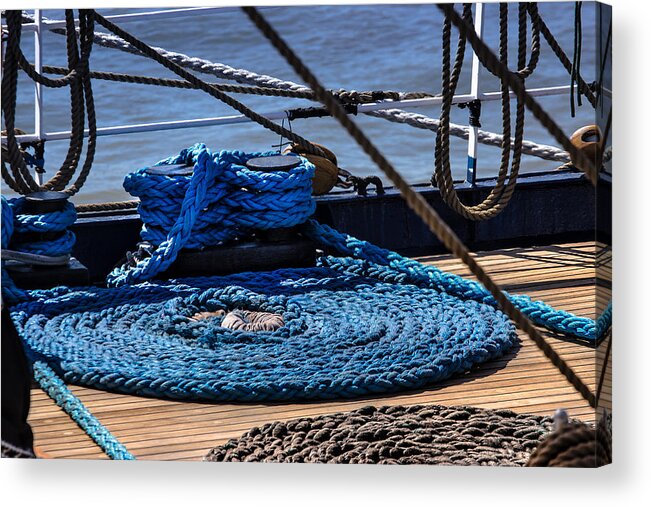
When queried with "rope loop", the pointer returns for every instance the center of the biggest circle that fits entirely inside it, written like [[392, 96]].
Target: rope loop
[[503, 190], [82, 106]]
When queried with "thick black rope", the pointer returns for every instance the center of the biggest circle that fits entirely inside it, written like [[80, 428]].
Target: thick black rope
[[576, 62], [583, 87], [418, 203]]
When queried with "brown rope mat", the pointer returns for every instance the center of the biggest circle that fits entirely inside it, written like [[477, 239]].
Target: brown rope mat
[[430, 434]]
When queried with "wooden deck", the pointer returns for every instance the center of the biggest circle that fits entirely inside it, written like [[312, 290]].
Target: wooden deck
[[524, 381]]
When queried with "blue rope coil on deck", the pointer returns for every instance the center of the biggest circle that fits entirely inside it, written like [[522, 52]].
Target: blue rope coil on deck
[[221, 200], [344, 336]]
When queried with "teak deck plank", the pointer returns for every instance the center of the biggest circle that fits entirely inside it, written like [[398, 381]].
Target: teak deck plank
[[523, 380]]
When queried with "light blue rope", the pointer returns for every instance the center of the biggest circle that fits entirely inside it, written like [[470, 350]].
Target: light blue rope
[[221, 200], [390, 266], [59, 392]]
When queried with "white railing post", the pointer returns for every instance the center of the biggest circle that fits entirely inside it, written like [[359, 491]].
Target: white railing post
[[38, 89], [471, 174]]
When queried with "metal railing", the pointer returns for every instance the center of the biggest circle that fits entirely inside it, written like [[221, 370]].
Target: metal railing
[[40, 25]]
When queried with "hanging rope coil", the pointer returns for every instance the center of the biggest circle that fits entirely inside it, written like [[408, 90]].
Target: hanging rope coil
[[18, 176], [221, 200], [501, 194]]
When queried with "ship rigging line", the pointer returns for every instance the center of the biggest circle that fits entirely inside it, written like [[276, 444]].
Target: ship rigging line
[[416, 201], [269, 85], [416, 120]]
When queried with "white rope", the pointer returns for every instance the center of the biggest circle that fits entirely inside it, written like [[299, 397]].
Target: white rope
[[425, 122], [219, 70]]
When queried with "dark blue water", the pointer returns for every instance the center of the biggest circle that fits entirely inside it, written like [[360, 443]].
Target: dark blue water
[[362, 47]]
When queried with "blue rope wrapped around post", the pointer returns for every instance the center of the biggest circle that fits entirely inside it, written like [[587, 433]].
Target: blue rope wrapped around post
[[21, 230], [221, 200], [52, 222]]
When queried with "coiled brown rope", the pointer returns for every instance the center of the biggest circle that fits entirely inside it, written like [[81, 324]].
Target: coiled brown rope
[[424, 435], [575, 445], [20, 180], [497, 68], [502, 192], [418, 203]]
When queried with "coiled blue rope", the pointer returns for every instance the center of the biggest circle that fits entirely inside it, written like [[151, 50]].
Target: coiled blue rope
[[344, 336], [17, 234], [221, 200]]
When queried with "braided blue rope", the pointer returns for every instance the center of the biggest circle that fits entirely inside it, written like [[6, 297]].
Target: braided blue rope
[[344, 336], [56, 221], [59, 392], [7, 222], [10, 292], [16, 226], [221, 200], [390, 266]]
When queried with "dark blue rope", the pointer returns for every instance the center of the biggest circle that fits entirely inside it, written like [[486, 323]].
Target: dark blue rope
[[53, 222], [18, 231]]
